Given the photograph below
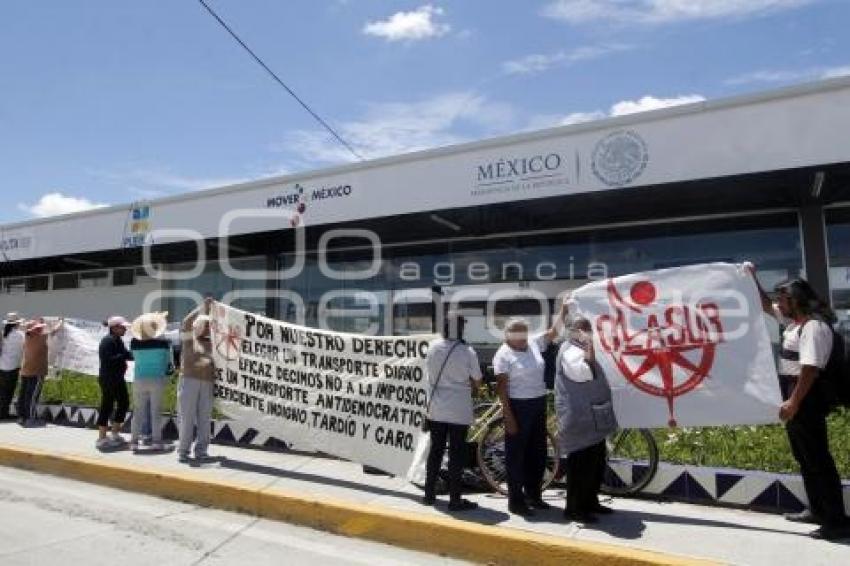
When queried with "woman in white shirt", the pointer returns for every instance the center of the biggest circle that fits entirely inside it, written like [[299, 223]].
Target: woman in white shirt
[[11, 352], [453, 371], [519, 368]]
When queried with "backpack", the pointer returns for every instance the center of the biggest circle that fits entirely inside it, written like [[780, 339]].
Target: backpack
[[836, 374], [837, 370]]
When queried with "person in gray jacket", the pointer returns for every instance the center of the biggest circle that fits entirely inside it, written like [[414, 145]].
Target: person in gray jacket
[[585, 416]]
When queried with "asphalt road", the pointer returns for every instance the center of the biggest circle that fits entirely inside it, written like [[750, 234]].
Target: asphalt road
[[53, 521]]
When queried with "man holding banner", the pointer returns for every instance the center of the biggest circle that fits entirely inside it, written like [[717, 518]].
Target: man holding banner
[[807, 347], [197, 378]]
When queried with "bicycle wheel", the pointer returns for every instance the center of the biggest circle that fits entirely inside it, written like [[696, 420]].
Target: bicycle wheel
[[491, 457], [632, 461]]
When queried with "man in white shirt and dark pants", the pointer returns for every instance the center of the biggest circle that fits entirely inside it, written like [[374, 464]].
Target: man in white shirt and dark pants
[[806, 348], [453, 370]]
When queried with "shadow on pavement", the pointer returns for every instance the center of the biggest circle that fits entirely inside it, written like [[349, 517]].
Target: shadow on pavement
[[230, 463]]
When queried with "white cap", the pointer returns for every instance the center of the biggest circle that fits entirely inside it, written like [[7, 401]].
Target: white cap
[[117, 321]]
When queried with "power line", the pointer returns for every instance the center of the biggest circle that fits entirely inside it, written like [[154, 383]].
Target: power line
[[279, 81]]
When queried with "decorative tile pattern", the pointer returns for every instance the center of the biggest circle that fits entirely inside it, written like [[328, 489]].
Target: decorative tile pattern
[[714, 486]]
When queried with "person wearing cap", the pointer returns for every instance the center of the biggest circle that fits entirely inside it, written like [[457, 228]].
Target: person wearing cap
[[807, 343], [585, 417], [114, 398], [34, 368], [152, 357], [453, 371], [11, 354], [519, 367], [197, 379]]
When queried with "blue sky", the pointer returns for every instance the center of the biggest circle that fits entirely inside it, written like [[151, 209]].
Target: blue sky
[[109, 101]]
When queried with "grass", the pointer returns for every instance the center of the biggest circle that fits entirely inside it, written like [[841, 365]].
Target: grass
[[745, 447], [77, 389], [749, 447]]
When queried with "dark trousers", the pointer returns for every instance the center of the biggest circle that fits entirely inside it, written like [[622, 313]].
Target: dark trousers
[[114, 401], [28, 396], [810, 445], [456, 436], [8, 383], [585, 470], [525, 451]]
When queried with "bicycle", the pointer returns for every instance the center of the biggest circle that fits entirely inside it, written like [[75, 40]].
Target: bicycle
[[632, 453]]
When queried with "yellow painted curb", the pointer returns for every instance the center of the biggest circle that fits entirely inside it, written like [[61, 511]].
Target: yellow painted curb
[[416, 531]]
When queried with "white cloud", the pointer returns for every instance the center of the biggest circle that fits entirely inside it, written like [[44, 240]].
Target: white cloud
[[401, 127], [789, 75], [56, 203], [647, 103], [415, 25], [662, 11], [539, 62], [621, 108]]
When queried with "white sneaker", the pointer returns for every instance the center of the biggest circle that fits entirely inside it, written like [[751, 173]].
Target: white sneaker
[[157, 446], [118, 439], [103, 443]]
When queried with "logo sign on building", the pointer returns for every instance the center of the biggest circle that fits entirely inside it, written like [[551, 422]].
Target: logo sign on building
[[526, 173], [354, 396], [297, 197], [619, 158], [138, 226], [686, 346]]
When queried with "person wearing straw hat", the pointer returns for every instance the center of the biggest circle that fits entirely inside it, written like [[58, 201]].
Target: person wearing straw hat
[[34, 368], [11, 354], [114, 398], [152, 355]]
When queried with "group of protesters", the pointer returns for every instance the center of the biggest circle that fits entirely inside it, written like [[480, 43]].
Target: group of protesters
[[24, 358], [153, 358], [585, 414], [583, 400]]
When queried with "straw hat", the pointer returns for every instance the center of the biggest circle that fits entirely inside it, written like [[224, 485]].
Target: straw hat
[[13, 318], [150, 325]]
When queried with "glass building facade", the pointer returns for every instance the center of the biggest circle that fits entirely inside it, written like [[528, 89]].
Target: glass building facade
[[523, 271]]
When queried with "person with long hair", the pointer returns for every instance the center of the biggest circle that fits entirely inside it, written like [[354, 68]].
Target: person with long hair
[[11, 355], [453, 371], [807, 340]]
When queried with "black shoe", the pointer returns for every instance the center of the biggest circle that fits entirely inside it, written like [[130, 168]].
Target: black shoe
[[462, 505], [804, 516], [428, 500], [832, 532], [537, 503], [520, 509]]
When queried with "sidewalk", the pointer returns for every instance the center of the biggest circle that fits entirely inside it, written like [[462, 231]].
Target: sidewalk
[[721, 535]]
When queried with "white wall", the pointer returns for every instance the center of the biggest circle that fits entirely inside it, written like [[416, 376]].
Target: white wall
[[94, 303]]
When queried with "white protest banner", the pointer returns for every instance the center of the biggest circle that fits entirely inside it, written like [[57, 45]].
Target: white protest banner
[[686, 346], [75, 347], [353, 396]]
